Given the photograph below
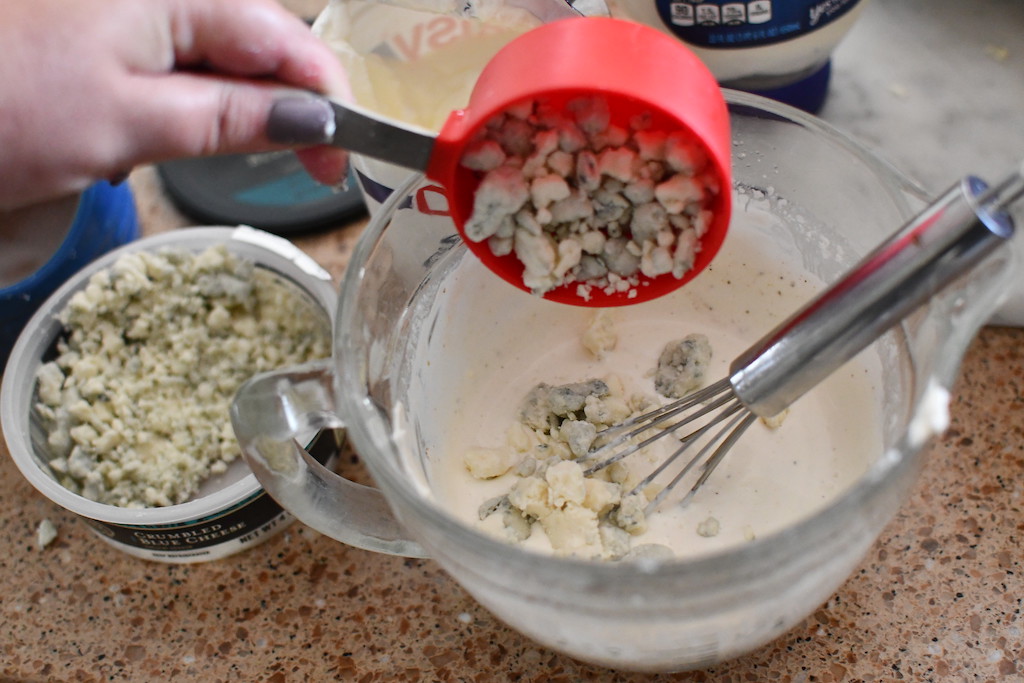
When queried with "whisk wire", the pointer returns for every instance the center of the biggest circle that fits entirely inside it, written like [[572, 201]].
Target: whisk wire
[[715, 446], [735, 430], [714, 435], [712, 396]]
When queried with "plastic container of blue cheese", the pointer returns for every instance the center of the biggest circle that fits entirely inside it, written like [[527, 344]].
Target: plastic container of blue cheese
[[230, 512]]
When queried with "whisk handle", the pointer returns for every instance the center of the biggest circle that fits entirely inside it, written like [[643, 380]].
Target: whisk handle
[[947, 239]]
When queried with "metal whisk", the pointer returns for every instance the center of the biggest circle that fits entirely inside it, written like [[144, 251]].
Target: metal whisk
[[946, 240]]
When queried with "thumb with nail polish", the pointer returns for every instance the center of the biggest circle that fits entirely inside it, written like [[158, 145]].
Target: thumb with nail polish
[[298, 120]]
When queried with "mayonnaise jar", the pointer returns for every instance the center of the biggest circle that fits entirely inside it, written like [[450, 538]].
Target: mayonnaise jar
[[776, 48]]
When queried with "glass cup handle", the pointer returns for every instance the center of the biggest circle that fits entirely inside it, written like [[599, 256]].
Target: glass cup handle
[[268, 413]]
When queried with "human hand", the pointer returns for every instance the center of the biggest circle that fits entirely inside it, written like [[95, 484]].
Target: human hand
[[91, 88]]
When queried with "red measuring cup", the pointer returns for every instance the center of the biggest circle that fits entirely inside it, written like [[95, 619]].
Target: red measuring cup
[[634, 72]]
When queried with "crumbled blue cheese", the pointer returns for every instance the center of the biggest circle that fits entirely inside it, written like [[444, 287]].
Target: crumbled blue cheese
[[46, 533], [683, 366], [630, 513], [579, 199], [487, 463], [600, 337], [594, 515], [154, 348], [583, 515], [709, 527], [775, 421]]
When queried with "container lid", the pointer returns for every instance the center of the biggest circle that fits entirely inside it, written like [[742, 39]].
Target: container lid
[[270, 191]]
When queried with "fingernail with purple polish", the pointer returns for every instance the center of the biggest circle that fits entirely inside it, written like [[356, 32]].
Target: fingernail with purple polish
[[300, 121]]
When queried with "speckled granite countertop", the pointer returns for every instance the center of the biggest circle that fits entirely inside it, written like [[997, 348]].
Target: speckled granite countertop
[[938, 598]]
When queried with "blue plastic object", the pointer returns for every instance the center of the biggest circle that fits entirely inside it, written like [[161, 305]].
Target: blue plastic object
[[106, 218]]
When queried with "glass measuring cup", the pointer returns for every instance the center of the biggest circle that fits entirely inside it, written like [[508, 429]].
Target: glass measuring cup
[[836, 201]]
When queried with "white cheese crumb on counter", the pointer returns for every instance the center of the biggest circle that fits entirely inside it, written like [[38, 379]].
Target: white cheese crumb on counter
[[154, 348], [46, 533]]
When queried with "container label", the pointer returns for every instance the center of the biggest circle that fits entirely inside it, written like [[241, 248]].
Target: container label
[[729, 24], [244, 523]]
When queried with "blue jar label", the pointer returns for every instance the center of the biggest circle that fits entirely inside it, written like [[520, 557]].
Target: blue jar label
[[726, 23]]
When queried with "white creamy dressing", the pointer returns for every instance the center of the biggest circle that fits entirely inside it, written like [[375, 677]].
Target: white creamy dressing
[[494, 343]]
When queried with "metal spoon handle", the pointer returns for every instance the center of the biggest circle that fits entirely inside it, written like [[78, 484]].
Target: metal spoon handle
[[361, 131], [946, 240]]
